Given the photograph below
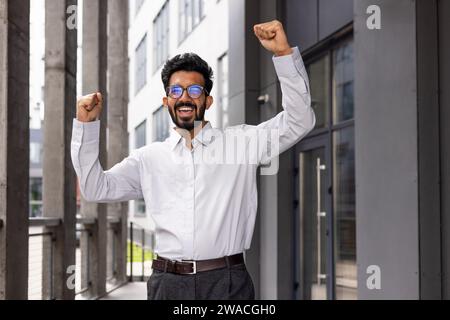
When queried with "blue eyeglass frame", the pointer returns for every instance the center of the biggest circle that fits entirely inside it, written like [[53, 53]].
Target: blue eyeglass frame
[[186, 89]]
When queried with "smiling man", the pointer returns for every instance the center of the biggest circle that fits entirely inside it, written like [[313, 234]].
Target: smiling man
[[204, 213]]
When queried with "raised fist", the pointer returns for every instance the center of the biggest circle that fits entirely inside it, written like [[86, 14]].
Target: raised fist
[[273, 38], [89, 107]]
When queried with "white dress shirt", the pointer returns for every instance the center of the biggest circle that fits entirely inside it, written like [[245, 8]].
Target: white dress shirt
[[201, 209]]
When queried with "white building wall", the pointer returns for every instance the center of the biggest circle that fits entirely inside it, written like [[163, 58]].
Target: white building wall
[[209, 39]]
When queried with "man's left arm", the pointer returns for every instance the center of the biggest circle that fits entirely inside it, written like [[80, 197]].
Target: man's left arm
[[297, 118]]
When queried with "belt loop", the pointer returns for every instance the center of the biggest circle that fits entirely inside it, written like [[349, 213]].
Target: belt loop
[[227, 260], [166, 265]]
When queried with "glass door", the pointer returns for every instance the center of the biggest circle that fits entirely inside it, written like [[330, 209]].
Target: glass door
[[314, 241]]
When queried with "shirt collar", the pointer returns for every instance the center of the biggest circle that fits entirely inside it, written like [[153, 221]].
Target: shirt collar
[[175, 137]]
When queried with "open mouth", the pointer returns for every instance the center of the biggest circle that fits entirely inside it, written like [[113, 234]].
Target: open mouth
[[186, 112]]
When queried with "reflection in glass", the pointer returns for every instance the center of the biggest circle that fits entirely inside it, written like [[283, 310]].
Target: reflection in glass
[[223, 92], [313, 239], [343, 83], [318, 73], [344, 213], [35, 197]]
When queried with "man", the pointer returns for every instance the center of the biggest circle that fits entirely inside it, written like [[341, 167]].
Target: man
[[204, 212]]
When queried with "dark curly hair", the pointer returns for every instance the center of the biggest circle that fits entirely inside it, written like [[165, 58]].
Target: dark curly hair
[[187, 62]]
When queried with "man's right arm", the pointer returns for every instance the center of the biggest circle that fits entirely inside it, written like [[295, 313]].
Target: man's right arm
[[120, 183]]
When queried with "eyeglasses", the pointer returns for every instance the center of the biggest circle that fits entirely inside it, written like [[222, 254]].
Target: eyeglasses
[[194, 91]]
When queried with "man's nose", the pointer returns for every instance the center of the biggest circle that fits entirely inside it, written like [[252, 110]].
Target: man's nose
[[185, 97]]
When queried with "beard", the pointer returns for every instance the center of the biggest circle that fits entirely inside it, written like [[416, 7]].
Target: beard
[[190, 124]]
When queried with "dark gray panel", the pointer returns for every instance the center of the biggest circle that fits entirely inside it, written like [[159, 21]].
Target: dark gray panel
[[444, 83], [428, 121], [269, 10], [236, 50], [333, 15], [301, 23]]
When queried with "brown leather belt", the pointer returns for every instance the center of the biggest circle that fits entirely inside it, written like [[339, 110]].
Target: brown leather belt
[[193, 267]]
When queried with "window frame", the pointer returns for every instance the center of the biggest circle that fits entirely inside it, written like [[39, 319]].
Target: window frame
[[184, 31], [161, 36], [140, 66], [141, 125], [160, 114]]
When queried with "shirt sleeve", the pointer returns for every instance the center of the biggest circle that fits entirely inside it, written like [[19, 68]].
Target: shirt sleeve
[[297, 118], [120, 183]]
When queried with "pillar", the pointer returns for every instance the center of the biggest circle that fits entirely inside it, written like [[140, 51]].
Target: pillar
[[59, 181], [118, 115], [14, 147], [94, 79]]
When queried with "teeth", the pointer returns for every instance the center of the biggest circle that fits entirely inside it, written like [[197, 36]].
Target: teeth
[[185, 109]]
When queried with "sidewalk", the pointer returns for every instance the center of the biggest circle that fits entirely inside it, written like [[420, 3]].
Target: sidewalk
[[130, 291]]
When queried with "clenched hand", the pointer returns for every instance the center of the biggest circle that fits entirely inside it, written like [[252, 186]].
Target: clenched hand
[[273, 38], [89, 107]]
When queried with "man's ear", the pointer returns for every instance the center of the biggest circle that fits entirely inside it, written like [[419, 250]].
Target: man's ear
[[209, 102], [165, 102]]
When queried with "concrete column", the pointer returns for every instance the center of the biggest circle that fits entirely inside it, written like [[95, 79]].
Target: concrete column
[[118, 114], [244, 56], [397, 150], [14, 148], [94, 79], [59, 181]]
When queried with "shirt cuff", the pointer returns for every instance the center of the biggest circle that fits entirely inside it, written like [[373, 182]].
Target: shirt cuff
[[289, 65], [84, 132]]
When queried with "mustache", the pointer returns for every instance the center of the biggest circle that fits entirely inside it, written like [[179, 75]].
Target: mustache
[[185, 104]]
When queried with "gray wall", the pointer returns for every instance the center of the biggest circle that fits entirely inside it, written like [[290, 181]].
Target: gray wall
[[252, 73], [396, 115], [310, 21], [244, 87]]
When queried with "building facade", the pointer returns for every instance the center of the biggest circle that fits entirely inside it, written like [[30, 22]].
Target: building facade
[[360, 207]]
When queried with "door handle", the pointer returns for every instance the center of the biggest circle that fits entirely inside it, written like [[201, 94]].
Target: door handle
[[320, 214]]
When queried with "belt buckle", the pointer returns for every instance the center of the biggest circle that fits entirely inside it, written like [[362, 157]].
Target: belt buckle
[[194, 266]]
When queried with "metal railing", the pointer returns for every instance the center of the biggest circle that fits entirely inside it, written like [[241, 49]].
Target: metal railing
[[43, 240], [112, 233], [41, 243], [143, 240], [83, 254]]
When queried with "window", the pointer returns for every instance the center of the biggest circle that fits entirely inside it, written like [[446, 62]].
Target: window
[[137, 6], [140, 209], [161, 37], [319, 74], [35, 153], [140, 135], [223, 91], [140, 140], [191, 14], [141, 65], [343, 83], [343, 144], [35, 197], [161, 124]]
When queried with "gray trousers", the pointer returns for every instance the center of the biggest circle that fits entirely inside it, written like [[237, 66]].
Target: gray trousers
[[233, 283]]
